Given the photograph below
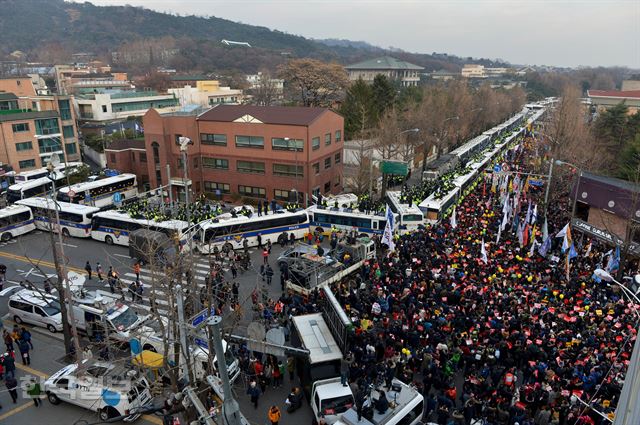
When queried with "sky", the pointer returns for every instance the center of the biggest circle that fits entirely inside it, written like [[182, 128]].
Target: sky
[[535, 32]]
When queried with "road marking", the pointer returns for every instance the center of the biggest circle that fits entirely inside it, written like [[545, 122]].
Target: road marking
[[17, 410], [32, 371], [40, 263], [69, 245], [121, 255]]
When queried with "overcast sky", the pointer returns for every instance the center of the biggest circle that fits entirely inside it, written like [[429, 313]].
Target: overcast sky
[[549, 32]]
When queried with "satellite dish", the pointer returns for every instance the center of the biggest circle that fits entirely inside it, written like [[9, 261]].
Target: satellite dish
[[255, 330], [54, 159], [275, 336]]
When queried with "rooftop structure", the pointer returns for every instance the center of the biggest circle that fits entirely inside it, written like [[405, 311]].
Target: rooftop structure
[[406, 73]]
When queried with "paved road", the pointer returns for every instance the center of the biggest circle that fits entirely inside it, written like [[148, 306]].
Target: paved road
[[29, 258]]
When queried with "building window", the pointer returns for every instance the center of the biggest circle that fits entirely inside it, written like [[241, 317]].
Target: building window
[[47, 126], [25, 146], [218, 164], [195, 162], [254, 192], [315, 143], [20, 127], [338, 135], [327, 139], [65, 109], [67, 132], [282, 144], [213, 139], [71, 148], [327, 187], [27, 163], [180, 163], [49, 145], [159, 177], [288, 170], [213, 187], [316, 168], [143, 157], [156, 154], [337, 183], [250, 167], [112, 158], [104, 108], [285, 195], [337, 159], [327, 163], [256, 142]]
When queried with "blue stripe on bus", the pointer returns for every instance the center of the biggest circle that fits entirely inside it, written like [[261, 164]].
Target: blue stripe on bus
[[126, 232], [262, 232], [359, 229], [66, 223], [15, 226]]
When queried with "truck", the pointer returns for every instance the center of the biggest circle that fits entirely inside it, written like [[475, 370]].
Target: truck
[[150, 246], [308, 271], [319, 372]]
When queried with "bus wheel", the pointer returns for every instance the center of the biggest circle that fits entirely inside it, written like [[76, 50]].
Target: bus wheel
[[108, 240], [65, 232], [363, 235], [319, 229], [227, 247], [5, 237], [108, 413], [282, 239]]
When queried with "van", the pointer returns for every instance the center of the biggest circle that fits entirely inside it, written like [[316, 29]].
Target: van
[[35, 308], [109, 389]]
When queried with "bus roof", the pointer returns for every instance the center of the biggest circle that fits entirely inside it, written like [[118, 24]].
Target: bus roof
[[316, 337], [39, 202], [394, 197], [81, 187], [343, 211], [432, 203], [36, 182], [12, 210], [121, 215]]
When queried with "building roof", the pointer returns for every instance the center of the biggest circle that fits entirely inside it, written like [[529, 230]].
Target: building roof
[[384, 63], [608, 193], [7, 96], [188, 78], [286, 115], [124, 144], [629, 94], [27, 115]]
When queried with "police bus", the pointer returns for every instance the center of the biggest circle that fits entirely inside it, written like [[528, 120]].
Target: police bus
[[75, 220], [30, 188], [15, 220], [99, 193], [409, 217], [324, 219], [38, 173], [114, 227], [226, 231]]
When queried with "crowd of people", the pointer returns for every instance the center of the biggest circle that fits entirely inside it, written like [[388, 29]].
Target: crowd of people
[[199, 210]]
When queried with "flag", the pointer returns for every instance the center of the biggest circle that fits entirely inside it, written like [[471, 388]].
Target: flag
[[565, 233], [545, 230], [499, 233], [528, 220], [562, 232], [534, 243], [139, 128], [483, 253], [588, 251], [521, 235], [453, 221], [505, 219], [534, 214], [545, 247], [525, 235], [614, 261], [387, 236], [572, 252]]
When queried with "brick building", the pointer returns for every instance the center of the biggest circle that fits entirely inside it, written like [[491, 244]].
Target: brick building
[[259, 152], [129, 156]]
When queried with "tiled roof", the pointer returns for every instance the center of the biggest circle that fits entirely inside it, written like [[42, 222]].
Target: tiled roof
[[629, 94], [384, 63], [286, 115]]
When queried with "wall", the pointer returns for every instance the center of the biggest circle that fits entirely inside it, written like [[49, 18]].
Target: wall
[[607, 221]]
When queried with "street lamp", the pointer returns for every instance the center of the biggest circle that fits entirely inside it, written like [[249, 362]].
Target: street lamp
[[607, 277]]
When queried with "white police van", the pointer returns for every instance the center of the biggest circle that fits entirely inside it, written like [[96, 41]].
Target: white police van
[[102, 387], [35, 308]]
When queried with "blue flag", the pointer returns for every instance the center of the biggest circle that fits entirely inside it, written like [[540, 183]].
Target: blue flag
[[572, 252], [545, 247]]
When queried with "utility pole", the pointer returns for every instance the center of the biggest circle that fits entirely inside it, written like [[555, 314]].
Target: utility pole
[[203, 414], [230, 408], [183, 333], [169, 185], [546, 193]]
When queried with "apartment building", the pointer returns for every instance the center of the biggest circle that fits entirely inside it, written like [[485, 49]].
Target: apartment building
[[32, 126], [245, 151], [207, 93], [406, 73], [103, 108]]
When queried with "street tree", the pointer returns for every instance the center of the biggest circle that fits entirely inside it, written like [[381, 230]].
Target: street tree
[[314, 83], [265, 92]]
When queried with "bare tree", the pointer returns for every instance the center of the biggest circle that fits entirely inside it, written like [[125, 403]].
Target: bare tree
[[314, 83], [265, 92]]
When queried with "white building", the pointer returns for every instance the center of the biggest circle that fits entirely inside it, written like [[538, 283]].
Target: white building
[[406, 73], [105, 107], [207, 96]]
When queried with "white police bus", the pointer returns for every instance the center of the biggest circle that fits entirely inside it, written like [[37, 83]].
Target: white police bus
[[15, 220], [114, 227], [75, 220], [38, 173], [409, 217], [31, 188], [99, 193], [226, 231], [323, 219]]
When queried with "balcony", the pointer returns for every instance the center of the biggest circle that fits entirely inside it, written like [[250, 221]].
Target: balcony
[[86, 115]]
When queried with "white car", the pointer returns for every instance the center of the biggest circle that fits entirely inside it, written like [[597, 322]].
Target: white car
[[35, 308], [102, 387]]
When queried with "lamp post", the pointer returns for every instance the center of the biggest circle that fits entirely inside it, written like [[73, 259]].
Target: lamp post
[[58, 253]]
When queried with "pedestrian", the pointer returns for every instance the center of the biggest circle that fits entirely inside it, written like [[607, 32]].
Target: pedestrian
[[26, 335], [292, 239], [9, 364], [136, 270], [259, 238], [291, 366], [132, 290], [254, 393], [35, 392], [87, 267], [269, 273], [139, 291], [259, 208], [8, 340], [24, 348], [281, 371], [112, 283], [234, 270], [235, 290], [265, 256], [269, 246], [47, 286], [274, 415], [12, 386], [99, 271]]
